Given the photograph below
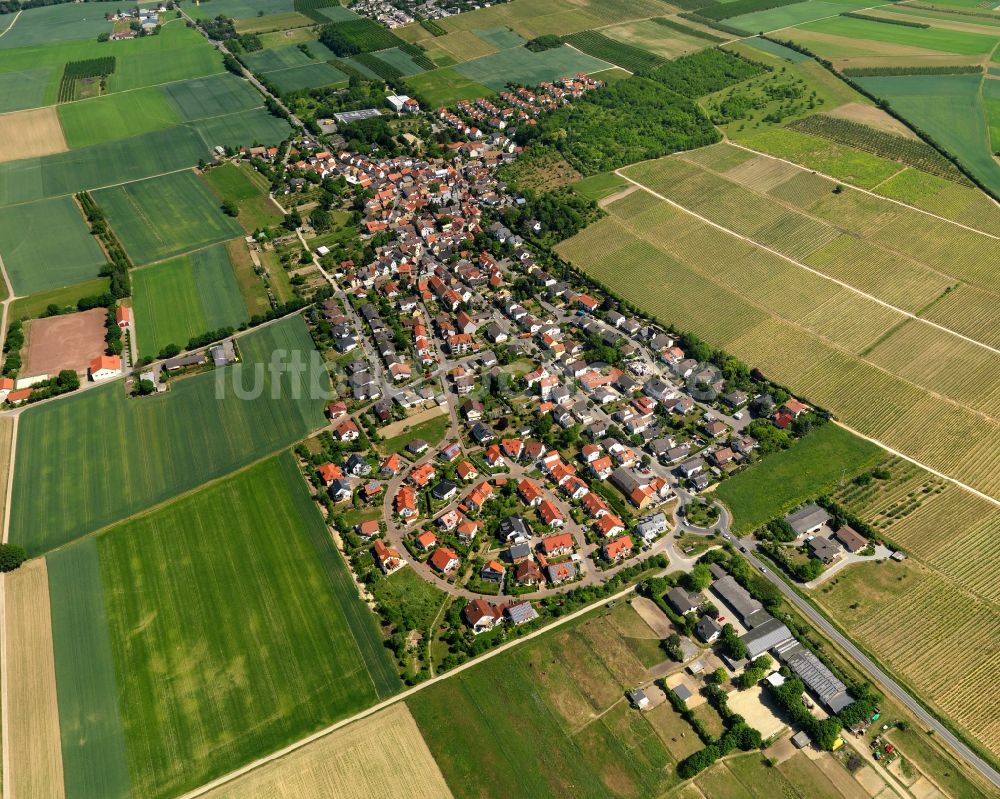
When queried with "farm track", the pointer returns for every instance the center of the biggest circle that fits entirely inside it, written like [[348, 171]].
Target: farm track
[[12, 23]]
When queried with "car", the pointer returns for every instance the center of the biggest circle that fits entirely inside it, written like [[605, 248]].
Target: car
[[743, 549], [738, 415], [763, 570]]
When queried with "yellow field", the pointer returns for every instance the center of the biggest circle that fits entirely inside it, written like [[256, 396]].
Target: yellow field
[[381, 757], [460, 45], [35, 752], [648, 35], [26, 134], [6, 446]]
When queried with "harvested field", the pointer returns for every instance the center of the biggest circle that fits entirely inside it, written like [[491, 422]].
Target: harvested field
[[870, 115], [655, 618], [70, 341], [380, 757], [6, 448], [35, 755], [27, 134]]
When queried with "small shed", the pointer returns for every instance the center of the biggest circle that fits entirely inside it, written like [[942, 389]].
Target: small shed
[[639, 699], [800, 740], [683, 692]]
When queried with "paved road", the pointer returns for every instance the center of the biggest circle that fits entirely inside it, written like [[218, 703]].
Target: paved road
[[891, 686]]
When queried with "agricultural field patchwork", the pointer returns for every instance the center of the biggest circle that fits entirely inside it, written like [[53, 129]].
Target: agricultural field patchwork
[[249, 190], [183, 298], [47, 245], [161, 217], [189, 436], [31, 134], [780, 326]]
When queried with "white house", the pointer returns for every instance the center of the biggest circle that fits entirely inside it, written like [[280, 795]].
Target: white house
[[105, 367]]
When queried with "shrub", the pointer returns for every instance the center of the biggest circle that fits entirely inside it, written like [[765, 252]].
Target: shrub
[[11, 556]]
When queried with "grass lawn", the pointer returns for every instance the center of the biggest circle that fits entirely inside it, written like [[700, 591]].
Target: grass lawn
[[406, 594], [431, 431], [218, 659], [812, 466], [446, 85], [249, 190], [183, 298], [35, 304], [158, 446], [165, 216], [116, 116], [47, 245]]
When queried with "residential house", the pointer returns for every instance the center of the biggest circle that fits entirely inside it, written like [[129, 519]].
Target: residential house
[[444, 560], [481, 616], [618, 548]]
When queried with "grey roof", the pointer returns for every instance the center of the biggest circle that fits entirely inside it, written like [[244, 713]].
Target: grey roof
[[681, 601], [707, 627], [521, 613], [817, 678], [683, 692], [824, 548], [520, 551], [800, 739], [765, 636], [807, 518], [736, 596]]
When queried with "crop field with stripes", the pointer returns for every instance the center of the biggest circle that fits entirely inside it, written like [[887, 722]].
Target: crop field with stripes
[[841, 349], [952, 607]]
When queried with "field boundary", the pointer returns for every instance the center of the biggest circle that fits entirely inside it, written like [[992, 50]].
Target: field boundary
[[9, 487], [813, 271], [12, 22]]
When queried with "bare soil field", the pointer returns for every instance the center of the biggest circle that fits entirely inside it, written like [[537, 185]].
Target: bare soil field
[[874, 117], [397, 428], [70, 341], [34, 747], [6, 449], [380, 757], [653, 616], [26, 134]]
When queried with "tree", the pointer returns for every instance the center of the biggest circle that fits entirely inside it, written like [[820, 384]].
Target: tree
[[732, 646], [699, 578], [145, 388], [11, 556], [719, 676], [229, 208], [699, 761]]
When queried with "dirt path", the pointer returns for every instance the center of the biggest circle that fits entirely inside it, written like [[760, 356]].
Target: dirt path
[[5, 30], [604, 202], [8, 476]]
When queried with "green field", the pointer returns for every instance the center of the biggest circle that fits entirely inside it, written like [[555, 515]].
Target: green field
[[115, 116], [399, 59], [165, 216], [156, 447], [211, 96], [90, 724], [794, 14], [179, 299], [275, 58], [310, 76], [549, 719], [826, 457], [35, 305], [243, 129], [939, 39], [219, 660], [520, 65], [177, 53], [56, 24], [249, 190], [25, 89], [240, 9], [445, 86], [101, 165], [601, 185], [47, 245], [933, 103]]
